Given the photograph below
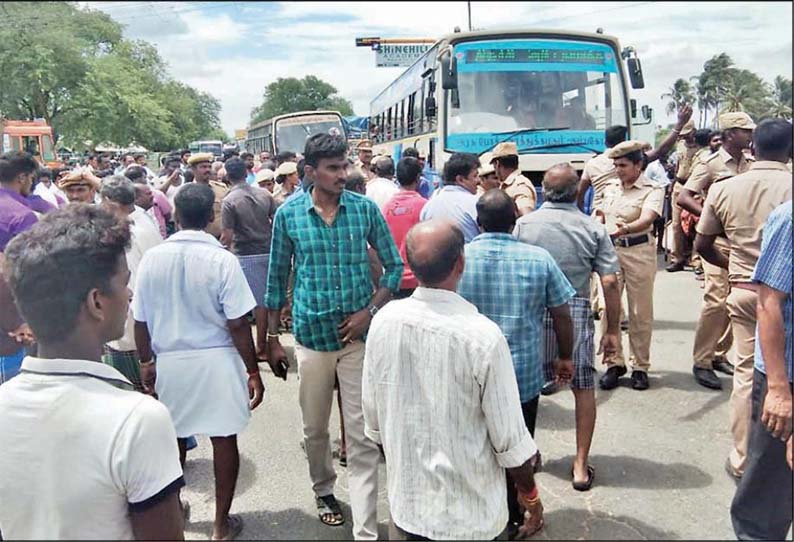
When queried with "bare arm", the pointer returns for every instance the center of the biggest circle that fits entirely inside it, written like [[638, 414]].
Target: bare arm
[[244, 343], [162, 521], [667, 144], [143, 342], [563, 328], [647, 216], [704, 245], [777, 409], [227, 237], [686, 200], [612, 300]]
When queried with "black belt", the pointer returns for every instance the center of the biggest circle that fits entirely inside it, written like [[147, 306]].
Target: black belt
[[626, 242]]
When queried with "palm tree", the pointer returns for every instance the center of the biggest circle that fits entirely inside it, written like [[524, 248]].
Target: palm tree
[[680, 93], [780, 101]]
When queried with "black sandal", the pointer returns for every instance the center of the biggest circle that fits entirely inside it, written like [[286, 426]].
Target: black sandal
[[329, 511], [587, 484]]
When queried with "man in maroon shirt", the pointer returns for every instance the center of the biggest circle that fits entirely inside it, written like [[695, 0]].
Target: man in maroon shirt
[[401, 212]]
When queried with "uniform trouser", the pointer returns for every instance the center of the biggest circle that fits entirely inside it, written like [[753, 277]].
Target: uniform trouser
[[761, 508], [637, 274], [681, 248], [741, 307], [713, 337], [317, 372]]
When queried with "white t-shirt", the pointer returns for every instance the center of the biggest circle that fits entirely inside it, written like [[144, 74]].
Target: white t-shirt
[[77, 453], [381, 190], [186, 290]]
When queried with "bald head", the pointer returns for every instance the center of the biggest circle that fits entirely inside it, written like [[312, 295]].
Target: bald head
[[434, 249], [496, 211], [560, 183]]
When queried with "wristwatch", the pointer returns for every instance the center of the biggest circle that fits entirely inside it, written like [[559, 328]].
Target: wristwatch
[[373, 310]]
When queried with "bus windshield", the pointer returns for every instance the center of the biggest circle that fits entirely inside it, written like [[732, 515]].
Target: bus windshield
[[215, 148], [557, 95], [292, 132]]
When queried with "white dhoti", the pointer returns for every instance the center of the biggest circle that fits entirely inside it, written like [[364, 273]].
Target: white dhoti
[[206, 391]]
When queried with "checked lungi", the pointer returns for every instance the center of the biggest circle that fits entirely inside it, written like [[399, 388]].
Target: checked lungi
[[583, 345], [255, 271], [125, 362]]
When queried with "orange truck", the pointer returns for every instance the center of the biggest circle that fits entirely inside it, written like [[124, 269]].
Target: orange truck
[[33, 136]]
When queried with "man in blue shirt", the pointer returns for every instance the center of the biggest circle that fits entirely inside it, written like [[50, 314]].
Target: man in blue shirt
[[762, 506], [513, 284], [457, 201]]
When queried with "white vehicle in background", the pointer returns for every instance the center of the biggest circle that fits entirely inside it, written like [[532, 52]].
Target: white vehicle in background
[[214, 146], [552, 92], [289, 132]]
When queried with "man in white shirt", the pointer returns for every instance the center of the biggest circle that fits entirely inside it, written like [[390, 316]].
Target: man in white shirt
[[190, 306], [118, 198], [82, 456], [382, 188], [423, 383]]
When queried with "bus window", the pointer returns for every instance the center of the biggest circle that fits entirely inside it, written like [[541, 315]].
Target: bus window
[[47, 153], [31, 145], [15, 144]]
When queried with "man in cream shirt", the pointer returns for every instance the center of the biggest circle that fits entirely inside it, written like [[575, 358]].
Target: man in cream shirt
[[423, 383]]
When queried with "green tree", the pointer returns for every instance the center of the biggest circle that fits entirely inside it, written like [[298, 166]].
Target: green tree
[[72, 67], [780, 103], [288, 95], [710, 83], [679, 94]]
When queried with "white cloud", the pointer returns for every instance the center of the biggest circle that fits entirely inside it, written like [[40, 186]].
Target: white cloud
[[209, 45]]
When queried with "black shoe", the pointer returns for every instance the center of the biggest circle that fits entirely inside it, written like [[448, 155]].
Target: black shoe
[[610, 379], [707, 378], [723, 366], [675, 267], [639, 380], [549, 388]]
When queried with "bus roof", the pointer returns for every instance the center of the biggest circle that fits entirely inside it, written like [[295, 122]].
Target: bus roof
[[295, 114]]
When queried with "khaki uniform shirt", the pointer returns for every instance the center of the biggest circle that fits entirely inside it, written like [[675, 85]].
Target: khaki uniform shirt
[[521, 190], [368, 175], [686, 159], [738, 208], [220, 190], [626, 206], [716, 167], [599, 170], [280, 195]]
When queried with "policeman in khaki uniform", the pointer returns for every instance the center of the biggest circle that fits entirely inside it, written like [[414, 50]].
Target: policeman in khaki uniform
[[686, 150], [504, 158], [631, 204], [201, 165], [713, 336], [364, 151], [738, 208], [487, 173]]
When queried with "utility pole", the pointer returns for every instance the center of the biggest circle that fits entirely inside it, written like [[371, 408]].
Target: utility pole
[[469, 6]]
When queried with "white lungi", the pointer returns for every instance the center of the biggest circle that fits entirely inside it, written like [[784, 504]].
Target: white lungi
[[206, 391]]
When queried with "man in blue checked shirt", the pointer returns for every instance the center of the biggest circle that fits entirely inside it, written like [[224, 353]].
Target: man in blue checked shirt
[[761, 508], [513, 284], [324, 234]]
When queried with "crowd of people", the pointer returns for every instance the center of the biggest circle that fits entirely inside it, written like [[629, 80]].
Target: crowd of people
[[437, 312]]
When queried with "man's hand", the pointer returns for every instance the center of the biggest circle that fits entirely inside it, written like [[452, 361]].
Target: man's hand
[[609, 345], [684, 114], [148, 378], [277, 358], [619, 226], [776, 414], [563, 369], [533, 518], [354, 326], [256, 390], [23, 335]]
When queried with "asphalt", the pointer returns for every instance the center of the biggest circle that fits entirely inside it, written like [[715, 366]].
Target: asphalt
[[658, 454]]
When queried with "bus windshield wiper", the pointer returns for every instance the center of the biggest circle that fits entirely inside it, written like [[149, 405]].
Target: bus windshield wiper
[[580, 144], [508, 135]]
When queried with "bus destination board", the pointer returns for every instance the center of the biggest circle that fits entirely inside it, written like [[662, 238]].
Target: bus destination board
[[538, 56]]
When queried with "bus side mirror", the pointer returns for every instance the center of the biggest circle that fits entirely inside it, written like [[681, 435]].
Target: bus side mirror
[[430, 107], [633, 108], [646, 112], [449, 72], [635, 73]]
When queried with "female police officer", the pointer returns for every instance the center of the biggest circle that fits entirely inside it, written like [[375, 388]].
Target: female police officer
[[631, 204]]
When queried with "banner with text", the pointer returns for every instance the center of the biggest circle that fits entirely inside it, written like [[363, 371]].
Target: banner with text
[[399, 55]]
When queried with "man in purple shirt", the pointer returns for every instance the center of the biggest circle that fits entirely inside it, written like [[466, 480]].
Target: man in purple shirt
[[17, 170]]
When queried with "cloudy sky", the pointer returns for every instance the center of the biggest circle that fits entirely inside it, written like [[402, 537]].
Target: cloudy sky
[[234, 49]]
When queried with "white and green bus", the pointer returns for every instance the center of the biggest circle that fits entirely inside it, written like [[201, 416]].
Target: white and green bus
[[552, 92], [289, 132]]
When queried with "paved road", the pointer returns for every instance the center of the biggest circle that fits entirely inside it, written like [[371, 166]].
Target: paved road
[[658, 454]]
